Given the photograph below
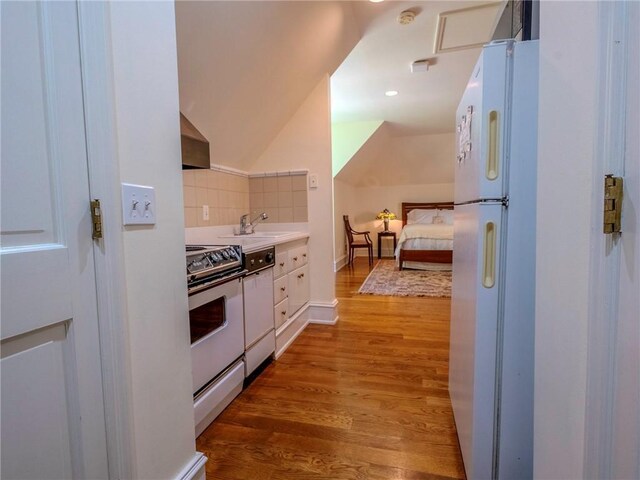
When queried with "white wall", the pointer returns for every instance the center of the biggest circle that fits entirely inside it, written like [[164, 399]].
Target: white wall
[[305, 143], [146, 111], [568, 95], [345, 202], [390, 160], [362, 204]]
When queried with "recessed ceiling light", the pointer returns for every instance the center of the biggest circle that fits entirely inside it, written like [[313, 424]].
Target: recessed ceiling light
[[391, 93], [376, 1]]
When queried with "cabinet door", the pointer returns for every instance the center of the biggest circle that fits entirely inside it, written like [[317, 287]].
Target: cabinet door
[[298, 289], [258, 305]]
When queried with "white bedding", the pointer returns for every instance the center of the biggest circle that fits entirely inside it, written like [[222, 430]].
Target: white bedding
[[420, 236]]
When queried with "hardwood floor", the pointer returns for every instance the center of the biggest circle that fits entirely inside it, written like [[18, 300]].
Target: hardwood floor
[[364, 399]]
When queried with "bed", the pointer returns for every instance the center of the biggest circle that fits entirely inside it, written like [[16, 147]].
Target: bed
[[423, 243]]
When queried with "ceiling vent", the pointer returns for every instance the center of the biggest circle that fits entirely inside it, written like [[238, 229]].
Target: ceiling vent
[[467, 27]]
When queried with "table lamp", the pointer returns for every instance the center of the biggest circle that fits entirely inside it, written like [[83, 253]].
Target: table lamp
[[386, 215]]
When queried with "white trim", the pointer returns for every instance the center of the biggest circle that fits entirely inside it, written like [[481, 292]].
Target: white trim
[[340, 263], [230, 170], [281, 173], [323, 312], [303, 311], [605, 250], [194, 470], [98, 91], [243, 173]]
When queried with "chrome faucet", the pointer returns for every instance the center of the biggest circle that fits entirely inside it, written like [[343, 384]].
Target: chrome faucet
[[246, 229]]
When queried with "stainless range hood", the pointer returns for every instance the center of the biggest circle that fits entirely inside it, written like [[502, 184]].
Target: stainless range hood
[[195, 148]]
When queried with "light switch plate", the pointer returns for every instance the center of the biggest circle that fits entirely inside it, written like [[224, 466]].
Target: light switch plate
[[138, 205]]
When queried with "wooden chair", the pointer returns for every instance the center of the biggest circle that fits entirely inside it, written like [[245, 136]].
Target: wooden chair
[[353, 244]]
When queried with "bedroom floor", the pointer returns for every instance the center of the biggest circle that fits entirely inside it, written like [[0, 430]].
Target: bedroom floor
[[364, 399]]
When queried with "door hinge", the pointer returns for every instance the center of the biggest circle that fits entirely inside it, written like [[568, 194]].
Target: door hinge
[[96, 219], [612, 203]]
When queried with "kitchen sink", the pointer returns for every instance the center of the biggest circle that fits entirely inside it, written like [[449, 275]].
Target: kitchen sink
[[268, 234], [258, 235]]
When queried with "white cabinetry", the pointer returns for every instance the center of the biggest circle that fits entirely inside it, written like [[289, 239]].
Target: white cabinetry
[[258, 318], [291, 292], [298, 288]]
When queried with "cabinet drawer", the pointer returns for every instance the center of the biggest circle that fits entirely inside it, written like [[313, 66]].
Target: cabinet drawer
[[282, 264], [281, 312], [280, 290], [298, 257]]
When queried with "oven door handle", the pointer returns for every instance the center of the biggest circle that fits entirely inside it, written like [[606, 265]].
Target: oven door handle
[[215, 283]]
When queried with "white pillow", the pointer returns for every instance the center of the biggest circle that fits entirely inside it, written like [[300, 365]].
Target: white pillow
[[447, 215], [421, 216]]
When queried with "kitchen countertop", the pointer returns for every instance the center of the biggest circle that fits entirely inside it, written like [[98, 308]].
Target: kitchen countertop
[[255, 241], [250, 243]]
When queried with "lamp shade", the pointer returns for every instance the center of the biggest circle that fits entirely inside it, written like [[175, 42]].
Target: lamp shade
[[386, 215]]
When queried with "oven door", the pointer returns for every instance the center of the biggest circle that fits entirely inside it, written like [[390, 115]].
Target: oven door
[[217, 330]]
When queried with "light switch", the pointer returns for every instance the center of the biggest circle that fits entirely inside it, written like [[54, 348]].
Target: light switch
[[313, 180], [205, 212], [138, 204]]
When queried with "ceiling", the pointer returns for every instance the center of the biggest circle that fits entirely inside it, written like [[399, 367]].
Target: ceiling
[[245, 67], [381, 61]]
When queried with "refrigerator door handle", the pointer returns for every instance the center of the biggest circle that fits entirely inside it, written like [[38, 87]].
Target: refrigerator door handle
[[489, 256], [493, 142]]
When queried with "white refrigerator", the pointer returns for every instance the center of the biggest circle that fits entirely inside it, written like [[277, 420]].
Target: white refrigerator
[[492, 313]]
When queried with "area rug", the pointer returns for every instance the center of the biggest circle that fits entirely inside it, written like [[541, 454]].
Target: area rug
[[386, 279]]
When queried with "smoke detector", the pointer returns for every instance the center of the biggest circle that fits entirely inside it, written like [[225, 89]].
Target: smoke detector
[[406, 17]]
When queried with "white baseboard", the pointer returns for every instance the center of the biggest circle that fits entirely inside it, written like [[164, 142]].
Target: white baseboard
[[287, 333], [340, 262], [325, 313], [194, 470]]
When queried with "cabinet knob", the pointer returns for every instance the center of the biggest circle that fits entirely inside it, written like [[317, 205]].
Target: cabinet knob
[[284, 312], [304, 255], [295, 259], [282, 264], [301, 275], [282, 288]]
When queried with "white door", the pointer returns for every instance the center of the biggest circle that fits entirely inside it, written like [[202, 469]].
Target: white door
[[474, 320], [53, 423]]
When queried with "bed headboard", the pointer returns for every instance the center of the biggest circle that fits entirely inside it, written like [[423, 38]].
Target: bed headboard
[[408, 206]]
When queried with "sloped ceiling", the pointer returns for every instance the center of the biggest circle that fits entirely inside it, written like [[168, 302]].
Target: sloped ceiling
[[347, 139], [245, 67], [409, 160], [419, 120]]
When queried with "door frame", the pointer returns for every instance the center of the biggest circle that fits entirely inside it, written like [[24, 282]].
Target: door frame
[[605, 256], [104, 182]]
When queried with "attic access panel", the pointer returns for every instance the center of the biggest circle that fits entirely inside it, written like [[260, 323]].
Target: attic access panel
[[467, 27]]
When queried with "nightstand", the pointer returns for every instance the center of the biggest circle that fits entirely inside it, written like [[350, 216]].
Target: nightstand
[[381, 235]]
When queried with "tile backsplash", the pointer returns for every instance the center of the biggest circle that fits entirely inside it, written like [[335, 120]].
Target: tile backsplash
[[226, 194], [283, 196]]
